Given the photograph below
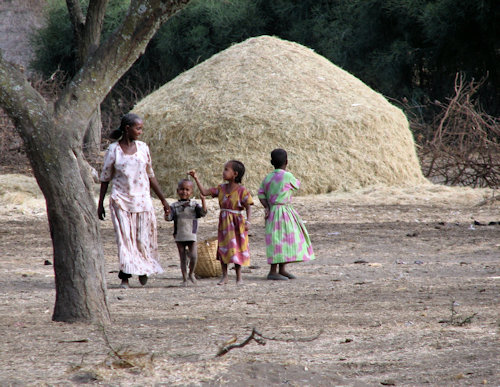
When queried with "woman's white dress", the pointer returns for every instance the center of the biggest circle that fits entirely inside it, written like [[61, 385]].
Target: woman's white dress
[[131, 208]]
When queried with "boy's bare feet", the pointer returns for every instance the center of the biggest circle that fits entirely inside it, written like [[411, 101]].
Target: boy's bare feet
[[184, 283], [193, 279], [223, 281]]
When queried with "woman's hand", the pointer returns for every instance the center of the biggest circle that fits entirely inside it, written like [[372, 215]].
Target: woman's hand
[[266, 212], [166, 208], [100, 211], [100, 207]]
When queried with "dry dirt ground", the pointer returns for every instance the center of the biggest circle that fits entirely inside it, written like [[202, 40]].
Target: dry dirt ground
[[404, 291]]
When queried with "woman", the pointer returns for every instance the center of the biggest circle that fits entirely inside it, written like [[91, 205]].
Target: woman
[[127, 165]]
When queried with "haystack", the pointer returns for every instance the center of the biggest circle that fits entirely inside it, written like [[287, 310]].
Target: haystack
[[266, 93]]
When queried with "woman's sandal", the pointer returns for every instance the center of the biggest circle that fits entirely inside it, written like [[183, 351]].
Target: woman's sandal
[[143, 279]]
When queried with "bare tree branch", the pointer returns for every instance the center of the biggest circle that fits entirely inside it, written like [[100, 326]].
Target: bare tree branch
[[87, 30], [20, 100], [93, 26], [75, 13], [259, 338], [462, 146], [114, 57]]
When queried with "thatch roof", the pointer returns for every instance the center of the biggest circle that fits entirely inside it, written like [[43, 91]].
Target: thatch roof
[[266, 93]]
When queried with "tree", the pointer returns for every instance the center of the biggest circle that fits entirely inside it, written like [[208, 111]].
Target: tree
[[87, 32], [52, 133], [202, 30]]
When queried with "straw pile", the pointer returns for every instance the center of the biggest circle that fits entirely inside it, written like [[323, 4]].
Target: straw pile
[[266, 93]]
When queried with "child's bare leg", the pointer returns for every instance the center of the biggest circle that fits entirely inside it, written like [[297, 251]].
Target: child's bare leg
[[237, 268], [273, 269], [274, 275], [193, 258], [223, 280], [283, 271], [183, 260]]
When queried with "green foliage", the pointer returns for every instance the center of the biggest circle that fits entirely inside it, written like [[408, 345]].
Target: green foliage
[[402, 48], [54, 44], [115, 12], [463, 36], [203, 29]]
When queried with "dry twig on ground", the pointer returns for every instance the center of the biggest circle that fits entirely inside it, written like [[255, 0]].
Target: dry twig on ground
[[259, 338]]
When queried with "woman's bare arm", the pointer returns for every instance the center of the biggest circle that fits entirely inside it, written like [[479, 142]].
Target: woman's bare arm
[[101, 213], [157, 190]]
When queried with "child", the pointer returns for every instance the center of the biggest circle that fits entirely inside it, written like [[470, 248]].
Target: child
[[234, 199], [185, 214], [287, 239]]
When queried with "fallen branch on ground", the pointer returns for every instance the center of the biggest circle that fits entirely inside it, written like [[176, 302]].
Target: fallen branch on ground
[[259, 338]]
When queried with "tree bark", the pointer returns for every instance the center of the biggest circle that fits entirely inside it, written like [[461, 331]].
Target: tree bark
[[53, 133], [87, 33], [92, 139], [78, 256]]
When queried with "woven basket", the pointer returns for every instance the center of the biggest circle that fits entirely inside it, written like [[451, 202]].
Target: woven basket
[[208, 265]]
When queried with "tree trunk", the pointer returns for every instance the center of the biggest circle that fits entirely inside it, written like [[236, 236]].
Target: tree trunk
[[62, 175], [78, 256], [53, 134], [87, 34], [92, 138]]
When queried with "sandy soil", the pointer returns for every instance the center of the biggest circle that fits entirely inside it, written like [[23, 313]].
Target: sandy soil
[[404, 291]]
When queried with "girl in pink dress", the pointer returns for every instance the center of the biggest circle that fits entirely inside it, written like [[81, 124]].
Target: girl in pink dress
[[234, 201], [127, 165]]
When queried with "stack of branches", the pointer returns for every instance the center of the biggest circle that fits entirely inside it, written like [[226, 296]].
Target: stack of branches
[[463, 147]]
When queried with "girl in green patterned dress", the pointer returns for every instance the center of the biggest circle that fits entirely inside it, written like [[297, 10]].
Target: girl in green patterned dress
[[287, 239]]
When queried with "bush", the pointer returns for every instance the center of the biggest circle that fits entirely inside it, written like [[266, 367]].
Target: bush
[[54, 44], [405, 49]]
